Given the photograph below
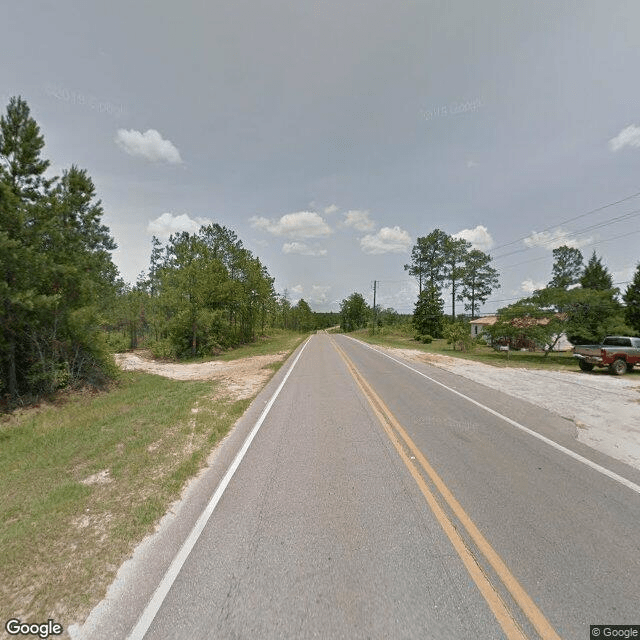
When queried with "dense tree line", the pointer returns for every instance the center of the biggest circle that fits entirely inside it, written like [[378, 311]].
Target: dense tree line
[[55, 267], [203, 293]]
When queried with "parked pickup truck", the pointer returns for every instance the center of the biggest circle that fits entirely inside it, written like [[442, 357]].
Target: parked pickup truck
[[619, 353]]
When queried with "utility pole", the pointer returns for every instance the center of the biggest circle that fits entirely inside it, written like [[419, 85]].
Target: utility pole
[[375, 311]]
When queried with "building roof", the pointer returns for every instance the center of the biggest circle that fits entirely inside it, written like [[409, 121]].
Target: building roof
[[486, 321]]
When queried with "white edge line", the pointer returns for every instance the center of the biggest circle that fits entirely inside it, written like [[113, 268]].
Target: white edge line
[[535, 434], [150, 611]]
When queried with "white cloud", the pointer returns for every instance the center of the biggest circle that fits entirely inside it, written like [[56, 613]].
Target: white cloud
[[359, 220], [303, 249], [296, 226], [471, 163], [319, 293], [529, 286], [623, 275], [150, 145], [555, 239], [297, 289], [387, 240], [479, 237], [629, 137], [332, 208], [166, 224]]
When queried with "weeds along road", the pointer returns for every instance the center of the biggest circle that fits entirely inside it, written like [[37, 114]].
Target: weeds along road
[[375, 502]]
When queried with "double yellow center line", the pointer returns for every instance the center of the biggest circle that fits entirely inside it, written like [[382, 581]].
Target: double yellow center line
[[409, 452]]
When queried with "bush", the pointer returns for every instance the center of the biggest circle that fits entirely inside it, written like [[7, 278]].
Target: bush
[[117, 342], [426, 339], [459, 335], [163, 349]]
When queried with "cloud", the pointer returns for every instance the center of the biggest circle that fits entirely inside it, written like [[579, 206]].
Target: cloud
[[319, 293], [303, 249], [623, 275], [556, 239], [479, 237], [295, 226], [332, 208], [359, 220], [629, 137], [471, 163], [387, 240], [150, 145], [529, 286], [166, 224]]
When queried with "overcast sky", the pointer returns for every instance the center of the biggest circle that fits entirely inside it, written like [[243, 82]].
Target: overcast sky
[[330, 135]]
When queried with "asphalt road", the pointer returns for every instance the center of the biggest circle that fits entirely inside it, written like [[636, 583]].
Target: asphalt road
[[375, 502]]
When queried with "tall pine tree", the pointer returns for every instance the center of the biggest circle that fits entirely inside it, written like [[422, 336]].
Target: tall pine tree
[[632, 302], [596, 276]]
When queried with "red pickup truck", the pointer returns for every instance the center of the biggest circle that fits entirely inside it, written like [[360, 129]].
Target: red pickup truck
[[619, 353]]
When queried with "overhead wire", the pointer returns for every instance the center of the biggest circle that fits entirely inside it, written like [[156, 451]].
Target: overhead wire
[[578, 217]]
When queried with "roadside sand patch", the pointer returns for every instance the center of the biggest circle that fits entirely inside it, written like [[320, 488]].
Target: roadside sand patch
[[239, 379], [604, 407]]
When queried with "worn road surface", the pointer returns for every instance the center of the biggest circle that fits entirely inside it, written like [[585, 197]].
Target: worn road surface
[[376, 502]]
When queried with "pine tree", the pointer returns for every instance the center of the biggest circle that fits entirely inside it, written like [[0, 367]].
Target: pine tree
[[428, 315], [567, 267], [478, 280], [456, 251], [596, 276], [632, 302], [428, 260]]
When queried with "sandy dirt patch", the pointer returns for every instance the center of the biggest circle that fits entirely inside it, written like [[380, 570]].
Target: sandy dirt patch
[[239, 379], [605, 408]]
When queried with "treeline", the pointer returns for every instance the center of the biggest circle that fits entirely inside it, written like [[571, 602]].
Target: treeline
[[439, 260], [63, 307], [580, 301], [204, 293], [55, 267]]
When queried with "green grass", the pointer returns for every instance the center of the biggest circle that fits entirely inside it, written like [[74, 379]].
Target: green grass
[[276, 341], [63, 532], [527, 359]]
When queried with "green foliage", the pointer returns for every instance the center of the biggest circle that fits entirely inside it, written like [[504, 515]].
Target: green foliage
[[632, 302], [354, 312], [56, 268], [439, 259], [478, 280], [527, 323], [428, 315], [458, 334], [567, 267], [596, 276], [428, 260]]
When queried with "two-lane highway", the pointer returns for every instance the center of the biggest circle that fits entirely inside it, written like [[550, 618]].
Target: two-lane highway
[[375, 502]]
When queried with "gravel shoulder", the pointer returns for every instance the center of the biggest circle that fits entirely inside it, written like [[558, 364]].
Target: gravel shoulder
[[605, 408]]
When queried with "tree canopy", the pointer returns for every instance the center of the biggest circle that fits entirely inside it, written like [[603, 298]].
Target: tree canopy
[[567, 267], [632, 302], [439, 260], [56, 267]]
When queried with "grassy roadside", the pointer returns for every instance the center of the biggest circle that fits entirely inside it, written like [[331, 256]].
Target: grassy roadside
[[86, 479], [524, 359]]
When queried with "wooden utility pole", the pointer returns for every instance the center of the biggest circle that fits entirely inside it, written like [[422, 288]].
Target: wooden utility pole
[[375, 310]]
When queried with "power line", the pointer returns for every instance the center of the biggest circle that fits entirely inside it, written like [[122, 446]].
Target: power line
[[582, 215], [590, 244], [599, 225]]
